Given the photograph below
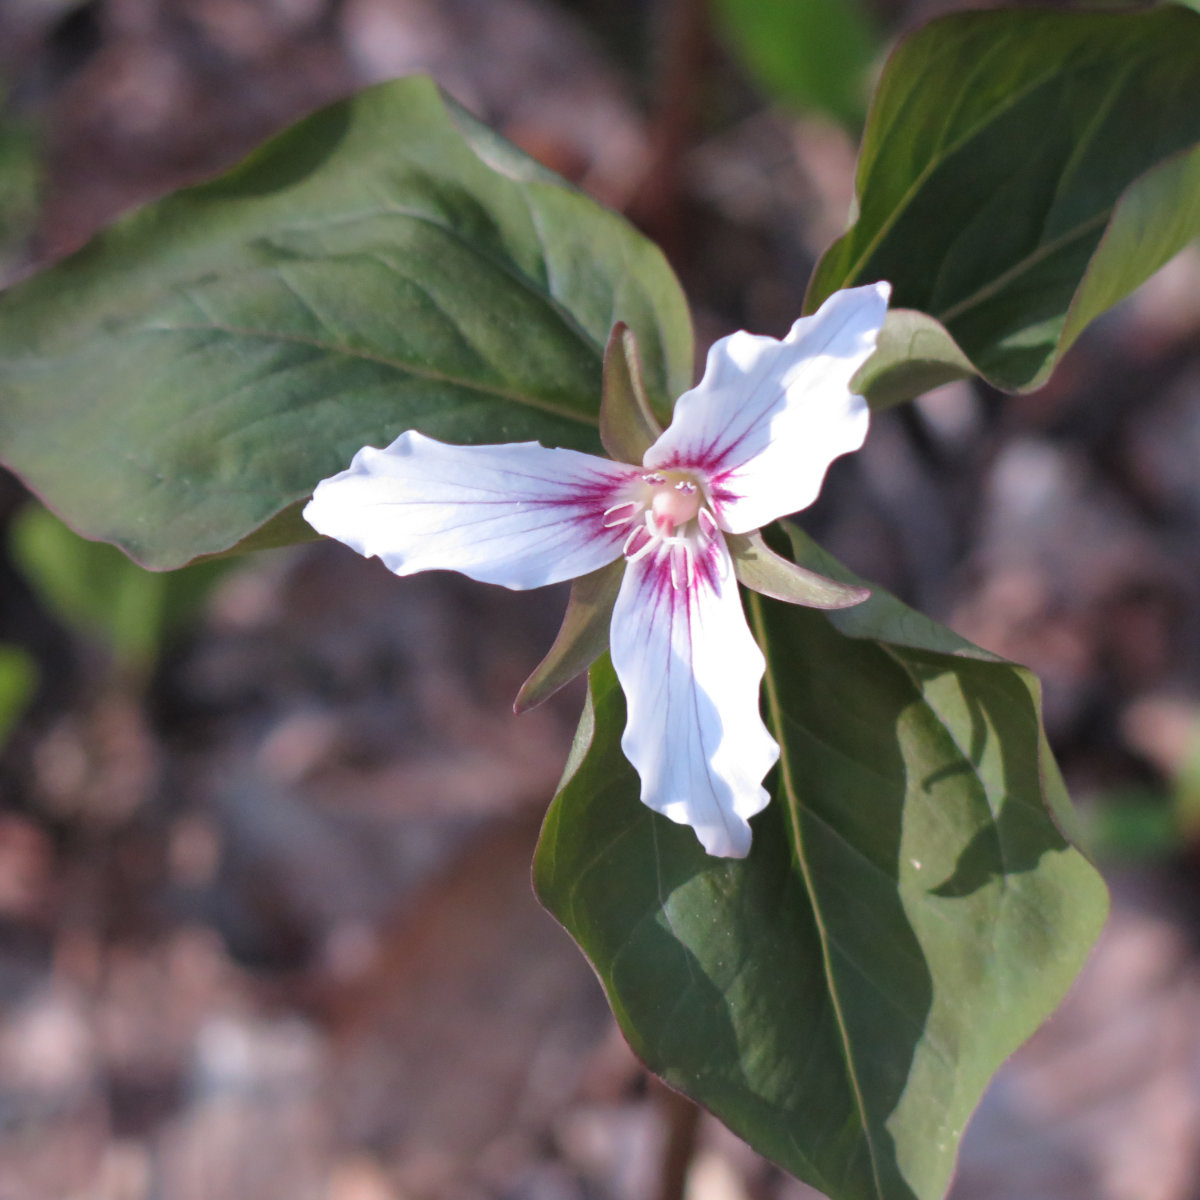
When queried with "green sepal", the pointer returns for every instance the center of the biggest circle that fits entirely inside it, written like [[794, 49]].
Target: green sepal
[[628, 427], [759, 568], [582, 637]]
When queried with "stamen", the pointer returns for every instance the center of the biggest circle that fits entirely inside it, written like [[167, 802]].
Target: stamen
[[630, 505], [681, 551], [643, 549], [670, 516]]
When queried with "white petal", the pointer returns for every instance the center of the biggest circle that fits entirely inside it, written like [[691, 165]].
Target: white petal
[[769, 417], [691, 671], [519, 515]]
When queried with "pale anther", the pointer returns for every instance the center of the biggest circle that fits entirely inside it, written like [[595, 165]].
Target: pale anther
[[644, 548], [611, 520], [682, 551]]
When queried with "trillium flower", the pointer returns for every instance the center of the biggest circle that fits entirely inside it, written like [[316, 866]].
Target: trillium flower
[[658, 537]]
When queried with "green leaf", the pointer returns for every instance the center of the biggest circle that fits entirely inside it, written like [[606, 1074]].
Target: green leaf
[[386, 264], [908, 914], [807, 54], [1021, 171], [97, 590]]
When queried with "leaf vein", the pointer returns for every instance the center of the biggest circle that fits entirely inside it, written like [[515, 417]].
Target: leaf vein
[[357, 352]]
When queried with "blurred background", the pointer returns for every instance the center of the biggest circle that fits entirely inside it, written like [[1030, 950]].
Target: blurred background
[[266, 927]]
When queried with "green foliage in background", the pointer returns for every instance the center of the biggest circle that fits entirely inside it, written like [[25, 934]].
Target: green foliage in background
[[18, 678], [20, 183], [810, 55], [99, 591]]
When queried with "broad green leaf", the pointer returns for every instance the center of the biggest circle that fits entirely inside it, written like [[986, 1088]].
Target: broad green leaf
[[386, 264], [97, 590], [807, 54], [1021, 171], [908, 914]]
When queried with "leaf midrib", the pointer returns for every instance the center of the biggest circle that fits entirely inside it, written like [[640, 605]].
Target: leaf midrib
[[1031, 260], [934, 163], [1022, 265], [776, 717], [543, 294], [404, 368]]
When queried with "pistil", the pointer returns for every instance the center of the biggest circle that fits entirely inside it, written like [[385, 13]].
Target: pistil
[[668, 513], [675, 504]]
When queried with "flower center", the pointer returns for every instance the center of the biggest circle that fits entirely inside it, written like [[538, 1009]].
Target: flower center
[[675, 499], [668, 513]]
